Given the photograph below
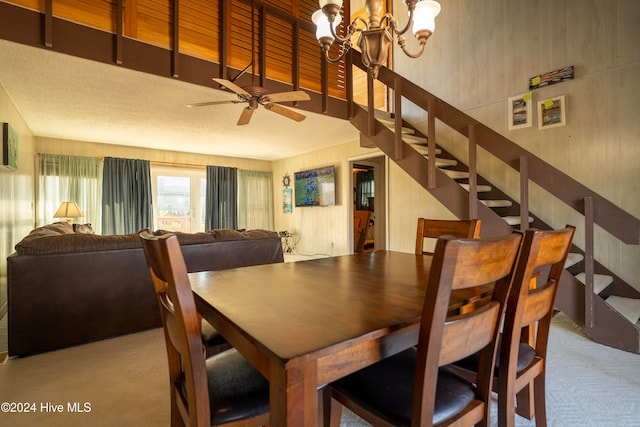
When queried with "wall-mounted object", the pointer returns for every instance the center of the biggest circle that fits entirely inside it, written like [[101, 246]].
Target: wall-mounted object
[[552, 77], [520, 111], [552, 112], [287, 200], [9, 147]]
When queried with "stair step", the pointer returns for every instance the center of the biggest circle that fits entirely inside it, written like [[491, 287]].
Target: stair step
[[414, 139], [444, 163], [600, 281], [422, 149], [497, 203], [456, 174], [628, 307], [572, 259], [480, 188], [391, 124], [514, 220]]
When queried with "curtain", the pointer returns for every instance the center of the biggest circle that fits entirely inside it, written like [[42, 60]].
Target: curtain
[[255, 200], [126, 196], [222, 194], [70, 179], [364, 190]]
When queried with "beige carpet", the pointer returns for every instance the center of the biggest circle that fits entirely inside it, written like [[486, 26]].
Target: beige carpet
[[123, 381]]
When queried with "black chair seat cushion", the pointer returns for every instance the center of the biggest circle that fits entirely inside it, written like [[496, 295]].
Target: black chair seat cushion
[[210, 335], [386, 390], [236, 389], [526, 354]]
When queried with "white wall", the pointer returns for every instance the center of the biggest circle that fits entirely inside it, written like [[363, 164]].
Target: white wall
[[16, 189], [485, 51]]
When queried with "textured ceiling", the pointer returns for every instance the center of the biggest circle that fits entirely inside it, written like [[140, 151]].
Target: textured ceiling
[[61, 96]]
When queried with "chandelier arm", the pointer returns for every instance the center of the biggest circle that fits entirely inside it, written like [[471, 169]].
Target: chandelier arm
[[394, 23], [345, 49], [402, 43], [351, 30]]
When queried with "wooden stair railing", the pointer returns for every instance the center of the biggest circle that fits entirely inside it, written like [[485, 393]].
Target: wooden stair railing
[[585, 306]]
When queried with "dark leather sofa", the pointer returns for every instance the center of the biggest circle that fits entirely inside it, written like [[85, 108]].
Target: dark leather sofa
[[66, 288]]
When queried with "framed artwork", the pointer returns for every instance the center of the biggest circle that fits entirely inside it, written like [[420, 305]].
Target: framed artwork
[[9, 147], [551, 112], [551, 78], [287, 200], [520, 111]]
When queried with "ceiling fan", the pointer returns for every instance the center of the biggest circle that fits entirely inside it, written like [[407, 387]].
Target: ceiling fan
[[257, 95]]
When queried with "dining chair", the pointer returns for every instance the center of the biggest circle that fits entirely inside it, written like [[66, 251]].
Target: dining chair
[[414, 387], [436, 228], [433, 229], [522, 349], [221, 390]]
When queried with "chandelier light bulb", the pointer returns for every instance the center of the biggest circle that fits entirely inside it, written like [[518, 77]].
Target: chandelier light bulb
[[323, 3], [323, 29], [424, 16]]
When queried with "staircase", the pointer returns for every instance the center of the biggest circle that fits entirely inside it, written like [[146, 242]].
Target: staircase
[[602, 304]]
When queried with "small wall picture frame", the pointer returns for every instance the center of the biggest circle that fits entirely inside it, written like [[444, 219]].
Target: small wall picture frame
[[552, 112], [9, 147], [520, 111], [287, 200]]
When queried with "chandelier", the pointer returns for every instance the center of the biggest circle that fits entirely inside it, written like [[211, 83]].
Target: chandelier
[[376, 33]]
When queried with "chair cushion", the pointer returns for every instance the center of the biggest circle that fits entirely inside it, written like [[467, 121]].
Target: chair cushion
[[236, 390], [386, 390], [210, 335], [526, 355]]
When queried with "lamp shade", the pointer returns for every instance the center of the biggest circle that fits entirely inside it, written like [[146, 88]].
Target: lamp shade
[[68, 210], [424, 16], [323, 29]]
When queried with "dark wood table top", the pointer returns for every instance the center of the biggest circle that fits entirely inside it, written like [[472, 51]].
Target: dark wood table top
[[308, 323]]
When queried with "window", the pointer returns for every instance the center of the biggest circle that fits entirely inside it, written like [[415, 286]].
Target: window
[[70, 179], [178, 198]]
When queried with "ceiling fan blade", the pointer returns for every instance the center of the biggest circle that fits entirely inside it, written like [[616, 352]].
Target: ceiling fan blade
[[232, 86], [297, 95], [245, 116], [284, 111], [204, 104]]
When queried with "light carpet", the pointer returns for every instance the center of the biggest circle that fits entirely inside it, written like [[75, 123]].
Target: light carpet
[[124, 382]]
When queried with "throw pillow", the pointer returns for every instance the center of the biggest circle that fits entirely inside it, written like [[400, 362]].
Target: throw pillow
[[83, 229]]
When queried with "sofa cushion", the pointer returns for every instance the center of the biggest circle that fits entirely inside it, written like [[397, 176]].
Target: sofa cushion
[[46, 241], [70, 243], [83, 229]]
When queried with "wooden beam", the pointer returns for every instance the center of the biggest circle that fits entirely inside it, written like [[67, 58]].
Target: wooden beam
[[48, 23], [175, 41], [119, 29]]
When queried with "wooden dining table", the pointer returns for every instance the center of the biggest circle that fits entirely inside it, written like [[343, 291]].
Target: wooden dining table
[[307, 323]]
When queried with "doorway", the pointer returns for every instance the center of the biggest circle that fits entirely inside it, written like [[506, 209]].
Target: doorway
[[368, 204]]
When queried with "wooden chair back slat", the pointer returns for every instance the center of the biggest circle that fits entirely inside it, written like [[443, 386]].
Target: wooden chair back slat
[[182, 329], [444, 339], [436, 228]]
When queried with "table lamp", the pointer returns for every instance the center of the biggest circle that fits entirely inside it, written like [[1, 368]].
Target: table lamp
[[68, 211]]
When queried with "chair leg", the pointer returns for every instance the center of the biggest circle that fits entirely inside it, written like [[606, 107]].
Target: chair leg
[[506, 404], [331, 410], [525, 401], [539, 401]]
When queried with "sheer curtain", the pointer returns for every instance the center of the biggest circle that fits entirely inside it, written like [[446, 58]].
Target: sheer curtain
[[255, 200], [126, 196], [222, 193], [364, 190], [70, 179]]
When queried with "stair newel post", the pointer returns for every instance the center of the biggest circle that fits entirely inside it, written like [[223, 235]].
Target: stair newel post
[[589, 216], [431, 142], [524, 192], [397, 104], [371, 122], [473, 172]]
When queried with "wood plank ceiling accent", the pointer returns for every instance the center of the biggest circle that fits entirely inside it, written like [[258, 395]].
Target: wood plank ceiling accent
[[285, 44]]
